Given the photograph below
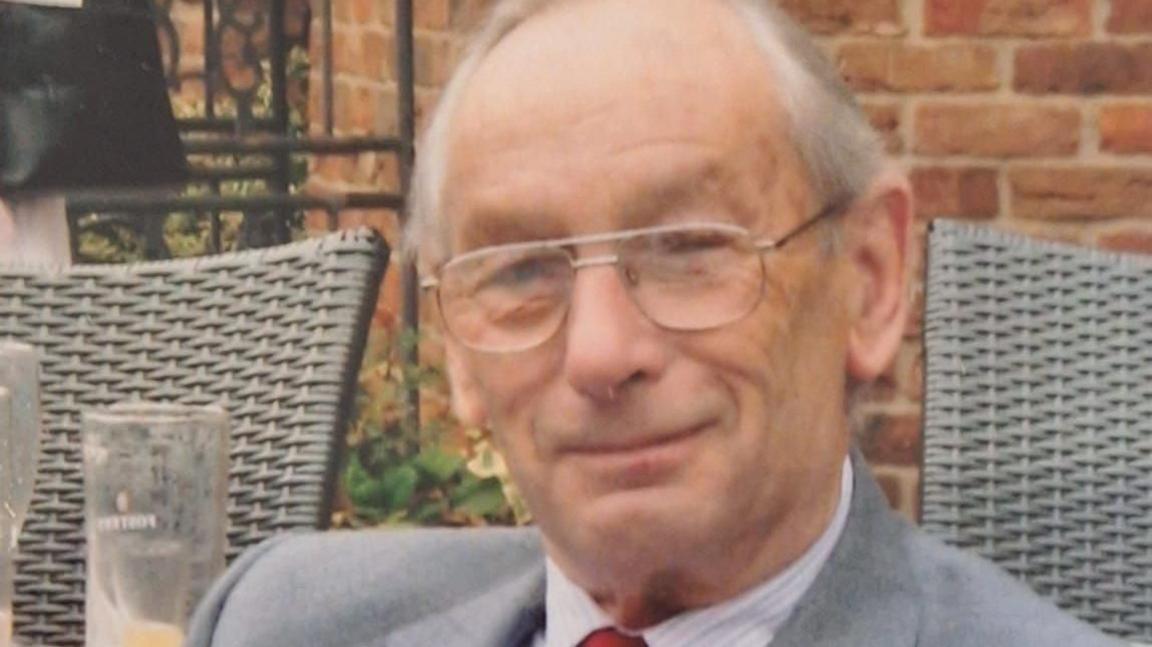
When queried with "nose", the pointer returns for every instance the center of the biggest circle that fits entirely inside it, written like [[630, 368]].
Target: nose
[[610, 345]]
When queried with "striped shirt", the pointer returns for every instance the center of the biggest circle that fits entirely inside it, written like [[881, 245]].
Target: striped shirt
[[748, 620]]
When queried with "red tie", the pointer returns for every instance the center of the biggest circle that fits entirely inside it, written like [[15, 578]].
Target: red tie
[[609, 637]]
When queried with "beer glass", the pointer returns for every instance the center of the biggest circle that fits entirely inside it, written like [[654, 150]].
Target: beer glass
[[155, 487], [7, 553], [20, 375], [19, 455]]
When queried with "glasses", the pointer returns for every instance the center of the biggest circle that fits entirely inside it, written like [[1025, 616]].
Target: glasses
[[684, 277]]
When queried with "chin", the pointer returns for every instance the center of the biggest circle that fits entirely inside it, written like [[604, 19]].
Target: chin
[[648, 521]]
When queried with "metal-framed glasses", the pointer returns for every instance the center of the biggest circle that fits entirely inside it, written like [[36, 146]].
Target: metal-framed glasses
[[685, 277]]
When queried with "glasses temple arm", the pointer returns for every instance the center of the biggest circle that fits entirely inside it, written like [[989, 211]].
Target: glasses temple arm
[[826, 212]]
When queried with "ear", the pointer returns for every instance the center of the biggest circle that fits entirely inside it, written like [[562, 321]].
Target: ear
[[467, 397], [878, 253]]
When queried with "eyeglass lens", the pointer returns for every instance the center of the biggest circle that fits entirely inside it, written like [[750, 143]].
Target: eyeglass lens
[[694, 278]]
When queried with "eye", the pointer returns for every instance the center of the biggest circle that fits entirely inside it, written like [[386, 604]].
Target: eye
[[691, 242], [699, 256], [525, 272]]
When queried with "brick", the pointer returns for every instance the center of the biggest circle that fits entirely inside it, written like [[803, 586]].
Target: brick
[[1130, 17], [1085, 68], [365, 12], [432, 60], [1005, 130], [902, 380], [1081, 193], [345, 48], [465, 14], [379, 49], [891, 439], [1068, 232], [1128, 239], [1131, 240], [388, 111], [189, 28], [315, 108], [1126, 128], [385, 172], [316, 222], [899, 67], [914, 326], [431, 14], [348, 55], [847, 16], [342, 104], [1008, 17], [956, 192], [341, 11], [331, 168], [296, 16], [885, 118], [893, 488]]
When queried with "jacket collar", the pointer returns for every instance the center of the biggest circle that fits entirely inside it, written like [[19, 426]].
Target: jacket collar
[[865, 596]]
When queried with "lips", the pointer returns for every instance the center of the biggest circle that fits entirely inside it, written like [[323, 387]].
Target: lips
[[632, 443]]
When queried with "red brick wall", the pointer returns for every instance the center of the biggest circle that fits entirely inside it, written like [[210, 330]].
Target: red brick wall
[[365, 103], [1033, 115]]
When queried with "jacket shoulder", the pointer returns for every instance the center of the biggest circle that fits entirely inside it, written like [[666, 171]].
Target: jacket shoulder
[[967, 600], [350, 588]]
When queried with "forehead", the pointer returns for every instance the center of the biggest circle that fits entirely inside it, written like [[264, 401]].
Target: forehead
[[610, 105]]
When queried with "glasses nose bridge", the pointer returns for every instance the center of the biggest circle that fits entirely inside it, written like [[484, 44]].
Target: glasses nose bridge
[[594, 261]]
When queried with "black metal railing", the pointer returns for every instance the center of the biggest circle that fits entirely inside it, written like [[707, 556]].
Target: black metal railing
[[246, 145]]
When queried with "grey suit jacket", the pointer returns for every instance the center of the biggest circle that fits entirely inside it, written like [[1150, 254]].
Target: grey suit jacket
[[885, 585]]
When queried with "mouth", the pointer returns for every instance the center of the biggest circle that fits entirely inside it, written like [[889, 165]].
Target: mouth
[[630, 463], [636, 444]]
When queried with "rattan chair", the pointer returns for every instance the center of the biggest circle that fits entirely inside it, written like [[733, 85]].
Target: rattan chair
[[275, 335], [1038, 417]]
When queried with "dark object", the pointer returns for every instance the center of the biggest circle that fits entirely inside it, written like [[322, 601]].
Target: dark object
[[83, 100], [1038, 417], [275, 335]]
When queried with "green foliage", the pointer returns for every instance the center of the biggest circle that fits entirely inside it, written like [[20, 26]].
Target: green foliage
[[433, 473]]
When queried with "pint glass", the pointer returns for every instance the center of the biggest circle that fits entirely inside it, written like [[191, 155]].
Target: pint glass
[[155, 487], [7, 525]]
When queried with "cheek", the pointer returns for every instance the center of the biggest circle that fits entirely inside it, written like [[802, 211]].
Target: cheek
[[788, 373], [513, 388]]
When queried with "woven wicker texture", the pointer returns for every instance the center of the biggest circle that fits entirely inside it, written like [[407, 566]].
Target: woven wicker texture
[[274, 335], [1038, 417]]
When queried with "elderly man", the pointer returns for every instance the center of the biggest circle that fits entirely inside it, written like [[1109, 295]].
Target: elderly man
[[667, 250]]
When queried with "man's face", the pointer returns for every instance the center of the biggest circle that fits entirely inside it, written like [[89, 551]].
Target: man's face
[[640, 450]]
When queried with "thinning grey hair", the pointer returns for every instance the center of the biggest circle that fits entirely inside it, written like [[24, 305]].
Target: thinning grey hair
[[842, 153]]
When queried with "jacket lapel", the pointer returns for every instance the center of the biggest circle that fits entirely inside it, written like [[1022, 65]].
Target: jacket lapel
[[507, 615], [866, 595]]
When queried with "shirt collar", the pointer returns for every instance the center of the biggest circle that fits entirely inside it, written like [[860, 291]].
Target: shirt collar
[[752, 618]]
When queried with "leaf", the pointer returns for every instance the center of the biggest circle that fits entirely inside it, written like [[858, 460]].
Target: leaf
[[363, 490], [399, 484], [429, 512], [438, 464], [485, 498]]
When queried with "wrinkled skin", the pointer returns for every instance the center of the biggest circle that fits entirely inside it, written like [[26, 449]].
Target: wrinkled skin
[[666, 470]]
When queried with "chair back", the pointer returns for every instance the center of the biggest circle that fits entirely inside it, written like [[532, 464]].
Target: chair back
[[275, 335], [1038, 417]]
